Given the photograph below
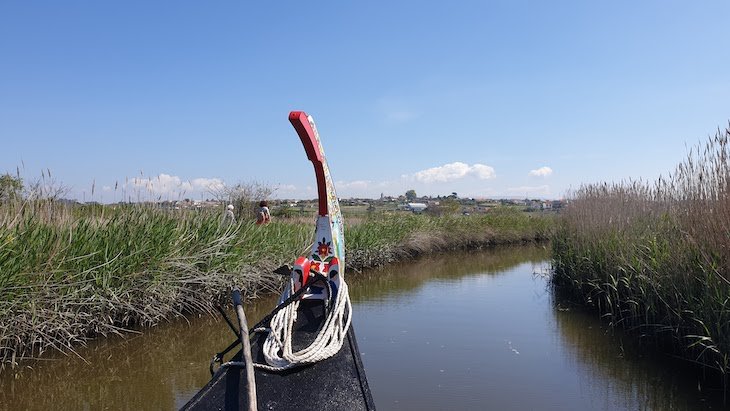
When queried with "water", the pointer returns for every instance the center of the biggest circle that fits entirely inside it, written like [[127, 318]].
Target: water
[[466, 331]]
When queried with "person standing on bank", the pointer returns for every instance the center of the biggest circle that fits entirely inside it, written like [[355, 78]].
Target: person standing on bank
[[229, 217], [263, 216]]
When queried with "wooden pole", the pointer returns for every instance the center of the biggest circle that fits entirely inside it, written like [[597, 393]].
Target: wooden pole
[[252, 406]]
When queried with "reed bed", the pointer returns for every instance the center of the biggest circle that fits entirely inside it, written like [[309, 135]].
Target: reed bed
[[68, 273], [386, 238], [653, 256]]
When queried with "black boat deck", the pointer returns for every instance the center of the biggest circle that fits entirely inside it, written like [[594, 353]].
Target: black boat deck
[[337, 383]]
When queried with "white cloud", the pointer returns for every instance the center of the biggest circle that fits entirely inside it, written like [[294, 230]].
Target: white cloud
[[541, 172], [207, 184], [106, 188], [165, 184], [454, 171], [482, 172]]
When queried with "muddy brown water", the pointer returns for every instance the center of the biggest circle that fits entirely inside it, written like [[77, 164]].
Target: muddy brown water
[[460, 331]]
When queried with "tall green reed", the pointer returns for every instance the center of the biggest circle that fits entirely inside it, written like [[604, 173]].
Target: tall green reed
[[385, 238], [71, 272], [68, 273]]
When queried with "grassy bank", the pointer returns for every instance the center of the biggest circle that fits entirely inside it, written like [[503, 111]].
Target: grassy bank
[[654, 257], [70, 273]]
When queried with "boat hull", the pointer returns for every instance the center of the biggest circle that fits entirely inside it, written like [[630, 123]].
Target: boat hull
[[336, 383]]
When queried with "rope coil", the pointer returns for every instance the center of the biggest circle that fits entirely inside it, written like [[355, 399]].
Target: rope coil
[[278, 348]]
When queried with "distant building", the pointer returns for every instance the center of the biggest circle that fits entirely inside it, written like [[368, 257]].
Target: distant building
[[416, 207]]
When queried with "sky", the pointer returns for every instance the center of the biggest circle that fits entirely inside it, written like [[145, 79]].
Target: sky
[[488, 99]]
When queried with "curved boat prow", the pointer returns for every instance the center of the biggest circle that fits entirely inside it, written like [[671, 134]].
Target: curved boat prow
[[328, 249], [304, 352], [307, 131]]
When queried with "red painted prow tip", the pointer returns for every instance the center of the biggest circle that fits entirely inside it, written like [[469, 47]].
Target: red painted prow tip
[[300, 121]]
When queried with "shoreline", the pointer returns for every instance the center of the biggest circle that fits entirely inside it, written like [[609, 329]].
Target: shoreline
[[59, 310]]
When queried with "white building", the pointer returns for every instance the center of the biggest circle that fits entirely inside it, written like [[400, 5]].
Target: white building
[[417, 207]]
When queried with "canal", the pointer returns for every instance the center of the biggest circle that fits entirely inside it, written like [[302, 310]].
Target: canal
[[460, 331]]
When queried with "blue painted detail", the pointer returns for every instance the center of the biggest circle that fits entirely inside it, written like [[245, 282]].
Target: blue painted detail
[[316, 290], [334, 290]]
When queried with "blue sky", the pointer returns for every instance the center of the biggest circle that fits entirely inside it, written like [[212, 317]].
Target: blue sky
[[486, 99]]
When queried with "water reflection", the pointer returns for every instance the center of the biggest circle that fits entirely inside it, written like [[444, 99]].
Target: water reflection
[[398, 279], [158, 370], [610, 365], [460, 331], [465, 331]]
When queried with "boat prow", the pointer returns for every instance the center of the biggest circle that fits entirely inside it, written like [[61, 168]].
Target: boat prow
[[307, 358]]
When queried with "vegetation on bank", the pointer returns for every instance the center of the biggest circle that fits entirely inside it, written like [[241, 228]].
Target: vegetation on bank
[[654, 257], [68, 273]]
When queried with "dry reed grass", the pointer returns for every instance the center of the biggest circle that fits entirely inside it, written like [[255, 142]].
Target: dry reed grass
[[653, 257]]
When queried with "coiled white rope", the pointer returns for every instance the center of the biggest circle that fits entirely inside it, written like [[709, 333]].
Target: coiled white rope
[[277, 347]]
